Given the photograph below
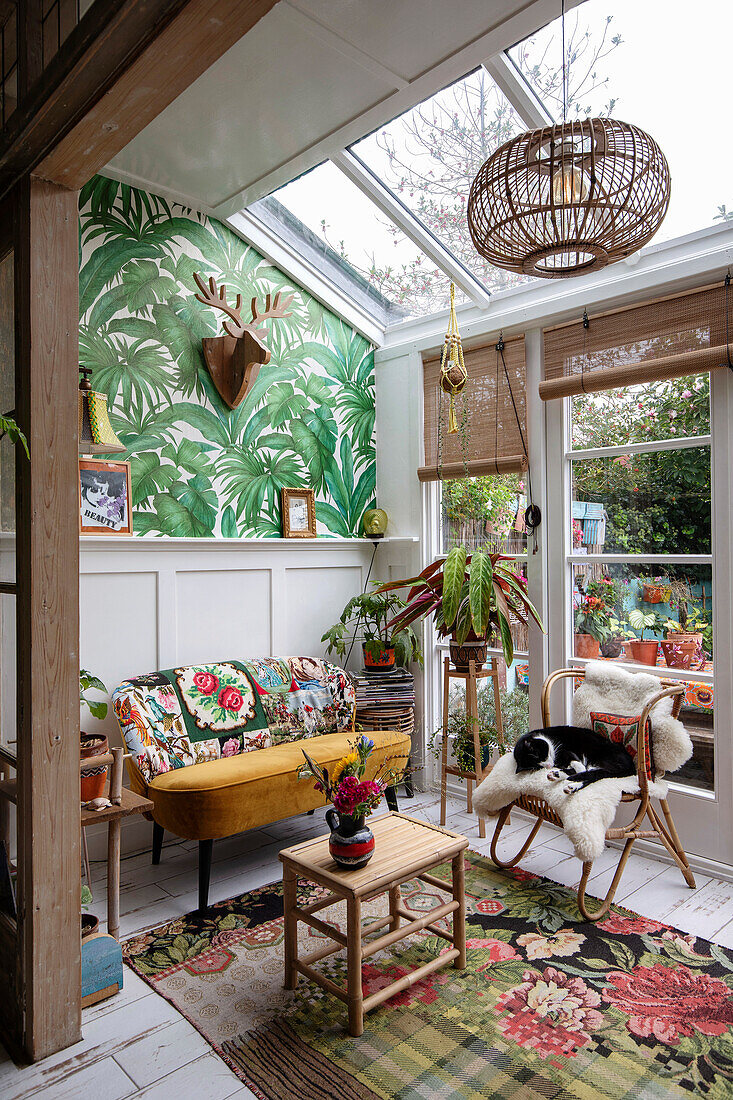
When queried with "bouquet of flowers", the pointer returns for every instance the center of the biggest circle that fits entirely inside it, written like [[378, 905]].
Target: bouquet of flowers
[[346, 787]]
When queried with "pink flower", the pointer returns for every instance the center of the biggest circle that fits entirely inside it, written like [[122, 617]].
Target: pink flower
[[669, 1002], [551, 1013], [230, 747], [686, 394], [630, 926], [206, 682], [230, 699]]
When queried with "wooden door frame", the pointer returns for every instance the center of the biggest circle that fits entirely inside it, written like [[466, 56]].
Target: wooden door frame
[[81, 112]]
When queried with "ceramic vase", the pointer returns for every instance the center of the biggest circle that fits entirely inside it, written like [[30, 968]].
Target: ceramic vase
[[93, 783], [351, 843]]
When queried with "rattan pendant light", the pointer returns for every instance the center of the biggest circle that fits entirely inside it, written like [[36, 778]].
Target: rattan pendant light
[[568, 199]]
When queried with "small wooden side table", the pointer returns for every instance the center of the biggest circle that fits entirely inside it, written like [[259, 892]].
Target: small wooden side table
[[405, 849], [130, 804]]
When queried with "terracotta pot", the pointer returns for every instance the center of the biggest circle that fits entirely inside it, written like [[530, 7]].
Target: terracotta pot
[[587, 646], [351, 843], [682, 654], [461, 653], [684, 636], [656, 593], [644, 653], [89, 924], [93, 783], [384, 661]]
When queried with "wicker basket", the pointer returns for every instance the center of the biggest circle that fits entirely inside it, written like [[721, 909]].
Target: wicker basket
[[401, 719]]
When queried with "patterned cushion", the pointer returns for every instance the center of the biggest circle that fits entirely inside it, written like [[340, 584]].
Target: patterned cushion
[[624, 729], [197, 713]]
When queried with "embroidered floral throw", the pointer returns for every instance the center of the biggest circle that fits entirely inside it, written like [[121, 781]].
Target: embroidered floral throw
[[198, 713]]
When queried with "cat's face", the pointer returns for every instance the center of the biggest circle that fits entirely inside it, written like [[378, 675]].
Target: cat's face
[[531, 752]]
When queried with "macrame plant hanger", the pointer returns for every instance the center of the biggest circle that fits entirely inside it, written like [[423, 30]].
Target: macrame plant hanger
[[532, 514], [453, 373]]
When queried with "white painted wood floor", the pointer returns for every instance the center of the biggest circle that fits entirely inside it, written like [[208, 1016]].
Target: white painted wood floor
[[137, 1045]]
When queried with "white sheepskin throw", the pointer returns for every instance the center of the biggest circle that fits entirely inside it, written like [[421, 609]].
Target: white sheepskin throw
[[588, 813]]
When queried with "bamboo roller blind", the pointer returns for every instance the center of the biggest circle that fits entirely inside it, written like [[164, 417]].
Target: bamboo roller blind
[[664, 338], [493, 443]]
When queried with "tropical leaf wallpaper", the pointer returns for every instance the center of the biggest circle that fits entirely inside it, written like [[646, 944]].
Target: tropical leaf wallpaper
[[198, 468]]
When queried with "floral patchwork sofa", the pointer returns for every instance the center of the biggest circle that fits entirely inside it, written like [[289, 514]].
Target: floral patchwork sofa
[[216, 747]]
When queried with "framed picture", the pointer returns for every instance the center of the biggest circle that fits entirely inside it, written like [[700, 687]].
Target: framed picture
[[104, 497], [298, 508]]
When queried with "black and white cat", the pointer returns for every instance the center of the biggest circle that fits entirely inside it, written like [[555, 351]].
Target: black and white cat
[[580, 756]]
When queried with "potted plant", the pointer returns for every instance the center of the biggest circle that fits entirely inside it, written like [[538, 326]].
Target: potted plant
[[619, 635], [644, 651], [515, 715], [592, 626], [655, 589], [92, 744], [471, 597], [89, 923], [683, 647], [383, 646]]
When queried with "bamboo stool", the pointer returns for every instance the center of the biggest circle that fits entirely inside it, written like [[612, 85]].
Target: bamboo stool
[[667, 835], [472, 719], [405, 849]]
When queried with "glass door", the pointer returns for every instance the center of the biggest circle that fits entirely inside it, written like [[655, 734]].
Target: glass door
[[647, 576]]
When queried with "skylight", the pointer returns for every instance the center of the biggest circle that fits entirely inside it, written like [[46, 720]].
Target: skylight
[[388, 215], [429, 156], [646, 65], [365, 240]]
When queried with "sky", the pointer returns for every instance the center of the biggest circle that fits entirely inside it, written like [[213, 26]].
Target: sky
[[669, 76]]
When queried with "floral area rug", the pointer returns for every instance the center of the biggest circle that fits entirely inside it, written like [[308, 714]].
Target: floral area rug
[[547, 1006]]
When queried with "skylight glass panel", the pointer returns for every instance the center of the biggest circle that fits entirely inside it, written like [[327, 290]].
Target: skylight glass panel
[[366, 241], [658, 66], [429, 156]]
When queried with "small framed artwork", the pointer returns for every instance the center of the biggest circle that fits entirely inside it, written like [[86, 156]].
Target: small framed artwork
[[298, 508], [104, 497]]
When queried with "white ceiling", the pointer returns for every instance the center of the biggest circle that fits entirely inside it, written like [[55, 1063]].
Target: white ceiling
[[311, 77]]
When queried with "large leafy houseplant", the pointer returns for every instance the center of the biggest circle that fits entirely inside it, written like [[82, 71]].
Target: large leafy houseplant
[[369, 615], [468, 595]]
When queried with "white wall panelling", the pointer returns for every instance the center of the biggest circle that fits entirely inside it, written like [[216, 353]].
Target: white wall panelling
[[157, 603]]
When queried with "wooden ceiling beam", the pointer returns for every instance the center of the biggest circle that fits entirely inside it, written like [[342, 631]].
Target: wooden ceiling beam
[[118, 69]]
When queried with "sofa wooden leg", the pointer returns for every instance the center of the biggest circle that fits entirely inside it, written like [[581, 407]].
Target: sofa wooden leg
[[391, 795], [205, 849], [158, 831]]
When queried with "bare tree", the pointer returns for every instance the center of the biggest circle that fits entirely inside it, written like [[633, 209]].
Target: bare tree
[[430, 155]]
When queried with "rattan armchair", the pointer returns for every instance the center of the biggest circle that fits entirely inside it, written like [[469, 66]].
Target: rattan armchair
[[662, 831]]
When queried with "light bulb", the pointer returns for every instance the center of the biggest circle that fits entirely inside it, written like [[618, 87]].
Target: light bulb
[[569, 185]]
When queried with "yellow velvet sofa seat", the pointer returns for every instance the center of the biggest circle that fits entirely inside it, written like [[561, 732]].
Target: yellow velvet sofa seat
[[227, 796]]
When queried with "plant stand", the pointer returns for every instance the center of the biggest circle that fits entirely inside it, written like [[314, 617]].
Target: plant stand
[[471, 677]]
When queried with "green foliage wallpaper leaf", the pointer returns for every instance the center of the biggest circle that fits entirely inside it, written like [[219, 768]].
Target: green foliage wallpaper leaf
[[198, 468]]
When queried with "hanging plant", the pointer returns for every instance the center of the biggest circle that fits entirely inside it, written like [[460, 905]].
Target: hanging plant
[[453, 373]]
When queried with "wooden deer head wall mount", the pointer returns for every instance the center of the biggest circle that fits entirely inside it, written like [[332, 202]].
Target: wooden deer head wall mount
[[234, 359]]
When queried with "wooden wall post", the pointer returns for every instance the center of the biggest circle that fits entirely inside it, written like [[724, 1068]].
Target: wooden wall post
[[47, 350]]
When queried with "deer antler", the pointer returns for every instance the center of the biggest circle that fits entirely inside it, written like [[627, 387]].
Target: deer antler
[[217, 299], [274, 308]]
